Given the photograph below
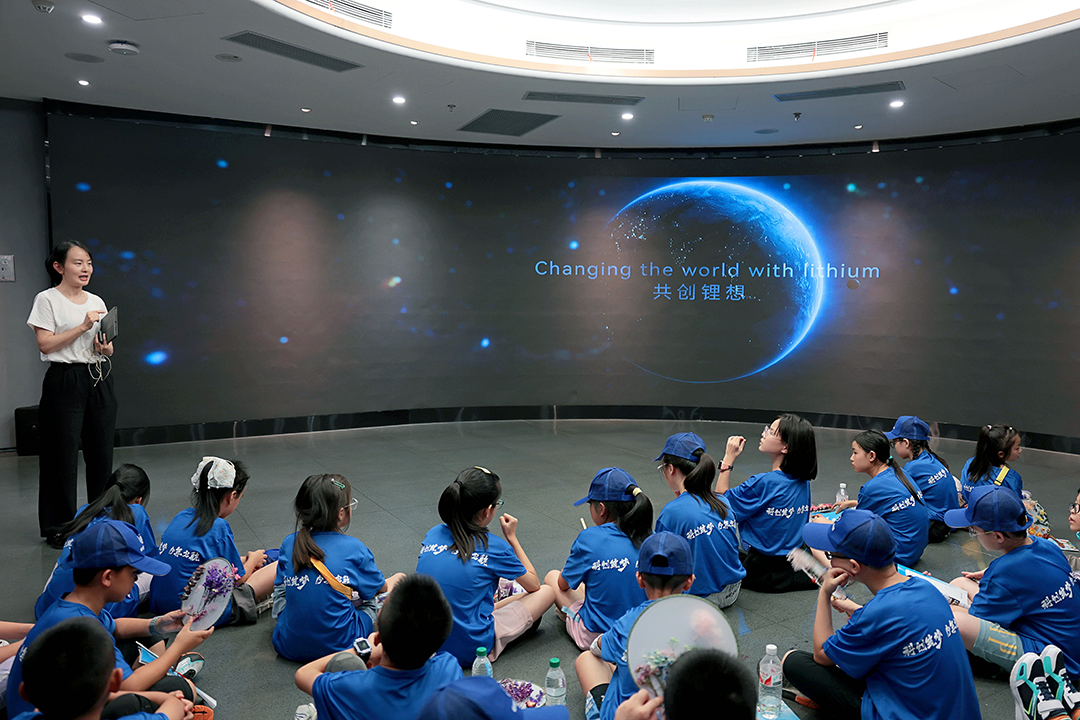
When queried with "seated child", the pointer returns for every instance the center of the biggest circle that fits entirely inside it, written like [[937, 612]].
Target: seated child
[[481, 698], [998, 446], [202, 533], [712, 679], [888, 661], [12, 633], [910, 441], [665, 567], [80, 651], [414, 622], [1027, 598], [597, 584], [106, 557]]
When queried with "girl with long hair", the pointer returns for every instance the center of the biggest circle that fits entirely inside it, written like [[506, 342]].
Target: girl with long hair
[[910, 442], [998, 446]]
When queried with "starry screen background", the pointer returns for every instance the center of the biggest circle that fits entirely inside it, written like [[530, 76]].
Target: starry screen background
[[275, 277]]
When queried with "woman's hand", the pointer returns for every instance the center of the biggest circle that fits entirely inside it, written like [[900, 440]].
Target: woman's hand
[[508, 523], [101, 348], [92, 317]]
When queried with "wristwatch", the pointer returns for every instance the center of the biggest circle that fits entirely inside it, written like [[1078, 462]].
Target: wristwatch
[[362, 648]]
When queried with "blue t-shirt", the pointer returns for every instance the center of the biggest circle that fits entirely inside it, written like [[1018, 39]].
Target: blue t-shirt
[[914, 663], [61, 610], [184, 551], [713, 539], [317, 619], [605, 559], [1011, 480], [61, 581], [1031, 591], [613, 650], [381, 693], [935, 482], [469, 587], [772, 509], [908, 519]]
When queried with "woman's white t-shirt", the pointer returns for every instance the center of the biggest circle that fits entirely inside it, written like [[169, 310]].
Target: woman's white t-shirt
[[55, 313]]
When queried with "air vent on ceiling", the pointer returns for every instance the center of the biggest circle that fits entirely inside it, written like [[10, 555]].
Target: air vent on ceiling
[[835, 92], [624, 100], [588, 53], [507, 122], [814, 48], [356, 11], [290, 51]]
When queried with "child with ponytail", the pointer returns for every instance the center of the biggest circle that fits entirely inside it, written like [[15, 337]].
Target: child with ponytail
[[202, 533], [467, 561], [598, 583], [998, 446], [320, 617], [701, 516], [928, 470], [126, 493]]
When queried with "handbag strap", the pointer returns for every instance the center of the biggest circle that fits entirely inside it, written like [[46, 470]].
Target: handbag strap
[[1001, 475], [333, 581]]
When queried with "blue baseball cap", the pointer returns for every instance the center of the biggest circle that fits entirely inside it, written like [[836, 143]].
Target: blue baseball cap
[[481, 698], [610, 484], [857, 534], [993, 508], [665, 553], [682, 445], [112, 543], [909, 427]]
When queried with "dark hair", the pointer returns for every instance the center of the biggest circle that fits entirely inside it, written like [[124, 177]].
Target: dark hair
[[918, 447], [993, 439], [699, 479], [125, 484], [84, 576], [800, 460], [874, 441], [59, 255], [207, 500], [414, 621], [664, 583], [317, 504], [473, 490], [1014, 534], [80, 651], [633, 517], [710, 679]]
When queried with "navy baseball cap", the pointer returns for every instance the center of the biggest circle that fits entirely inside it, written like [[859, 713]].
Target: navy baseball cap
[[909, 427], [111, 543], [682, 445], [610, 484], [993, 508], [857, 534], [665, 553], [481, 698]]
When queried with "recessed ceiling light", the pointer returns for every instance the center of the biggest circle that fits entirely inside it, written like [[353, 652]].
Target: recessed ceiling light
[[226, 57], [399, 100], [305, 109], [413, 122], [84, 83], [614, 134], [91, 19], [896, 103], [628, 116], [858, 127]]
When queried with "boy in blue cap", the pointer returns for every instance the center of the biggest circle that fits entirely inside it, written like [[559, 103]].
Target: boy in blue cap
[[107, 558], [1026, 599], [665, 567], [887, 661]]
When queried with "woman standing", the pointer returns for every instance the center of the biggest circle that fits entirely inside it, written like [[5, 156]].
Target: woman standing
[[77, 398]]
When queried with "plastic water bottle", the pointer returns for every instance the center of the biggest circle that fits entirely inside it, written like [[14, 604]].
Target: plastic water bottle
[[841, 494], [770, 684], [555, 683], [481, 666]]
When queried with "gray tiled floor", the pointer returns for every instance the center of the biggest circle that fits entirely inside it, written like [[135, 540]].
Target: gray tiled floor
[[398, 473]]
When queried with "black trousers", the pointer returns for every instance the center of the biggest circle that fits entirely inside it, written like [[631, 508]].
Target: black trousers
[[130, 704], [73, 409], [772, 574], [838, 694]]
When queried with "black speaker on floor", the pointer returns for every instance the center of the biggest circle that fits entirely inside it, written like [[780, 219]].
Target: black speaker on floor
[[27, 440]]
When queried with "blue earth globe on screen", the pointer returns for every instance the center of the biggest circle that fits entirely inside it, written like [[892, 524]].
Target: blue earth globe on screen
[[741, 294]]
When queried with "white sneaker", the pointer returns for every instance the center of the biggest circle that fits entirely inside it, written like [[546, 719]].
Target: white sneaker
[[306, 712]]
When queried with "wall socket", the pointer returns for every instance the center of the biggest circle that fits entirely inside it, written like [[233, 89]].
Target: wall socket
[[7, 268]]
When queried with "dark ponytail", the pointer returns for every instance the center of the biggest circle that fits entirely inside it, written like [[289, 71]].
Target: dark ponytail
[[699, 478], [874, 441], [633, 517], [918, 447], [127, 483], [993, 439], [59, 255], [317, 504], [207, 500], [473, 490]]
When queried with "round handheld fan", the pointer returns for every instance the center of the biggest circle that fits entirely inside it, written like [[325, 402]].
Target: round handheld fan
[[670, 627], [208, 593]]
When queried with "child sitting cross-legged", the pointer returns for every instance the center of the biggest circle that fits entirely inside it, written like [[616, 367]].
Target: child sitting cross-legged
[[665, 567], [75, 657], [393, 674]]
